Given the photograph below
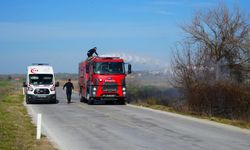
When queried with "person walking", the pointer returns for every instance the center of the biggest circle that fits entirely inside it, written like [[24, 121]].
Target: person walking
[[69, 87], [91, 52]]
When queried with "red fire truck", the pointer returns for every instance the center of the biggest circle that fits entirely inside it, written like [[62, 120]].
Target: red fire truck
[[103, 79]]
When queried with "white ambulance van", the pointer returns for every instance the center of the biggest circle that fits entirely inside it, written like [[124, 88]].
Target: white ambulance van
[[40, 84]]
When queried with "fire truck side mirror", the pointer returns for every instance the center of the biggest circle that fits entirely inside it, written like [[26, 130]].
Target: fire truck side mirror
[[129, 69], [24, 84]]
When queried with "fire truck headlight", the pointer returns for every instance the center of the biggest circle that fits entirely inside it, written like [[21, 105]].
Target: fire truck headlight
[[124, 93], [123, 89], [94, 88], [94, 93]]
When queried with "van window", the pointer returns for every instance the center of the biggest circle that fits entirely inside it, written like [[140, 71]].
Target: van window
[[40, 79]]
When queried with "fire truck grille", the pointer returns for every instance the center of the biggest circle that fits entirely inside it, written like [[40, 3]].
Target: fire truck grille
[[109, 87], [41, 91]]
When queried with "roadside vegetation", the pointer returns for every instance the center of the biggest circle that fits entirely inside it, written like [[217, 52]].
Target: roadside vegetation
[[168, 99], [16, 130], [210, 69]]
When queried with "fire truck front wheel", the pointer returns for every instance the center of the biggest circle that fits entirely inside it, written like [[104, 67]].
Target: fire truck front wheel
[[83, 99], [90, 102], [89, 99], [122, 101]]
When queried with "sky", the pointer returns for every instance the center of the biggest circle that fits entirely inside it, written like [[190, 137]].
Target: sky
[[60, 32]]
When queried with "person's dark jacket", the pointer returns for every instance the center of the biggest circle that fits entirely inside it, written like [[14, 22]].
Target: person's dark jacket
[[91, 52], [69, 87]]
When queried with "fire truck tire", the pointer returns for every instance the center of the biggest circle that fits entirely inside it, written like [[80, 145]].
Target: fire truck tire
[[122, 101], [90, 102], [82, 99]]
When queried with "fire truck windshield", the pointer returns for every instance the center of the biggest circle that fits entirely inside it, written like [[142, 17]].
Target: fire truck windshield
[[109, 68], [41, 79]]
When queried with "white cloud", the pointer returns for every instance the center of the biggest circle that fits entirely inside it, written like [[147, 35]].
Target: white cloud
[[145, 62], [50, 31]]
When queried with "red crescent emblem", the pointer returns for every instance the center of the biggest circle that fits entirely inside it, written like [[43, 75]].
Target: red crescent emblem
[[33, 70]]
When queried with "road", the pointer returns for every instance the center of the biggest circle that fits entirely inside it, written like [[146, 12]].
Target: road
[[78, 126]]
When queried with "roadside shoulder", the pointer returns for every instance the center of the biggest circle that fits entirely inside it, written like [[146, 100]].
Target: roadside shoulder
[[191, 118]]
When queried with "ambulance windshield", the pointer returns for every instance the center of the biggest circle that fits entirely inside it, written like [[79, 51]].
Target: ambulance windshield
[[41, 79]]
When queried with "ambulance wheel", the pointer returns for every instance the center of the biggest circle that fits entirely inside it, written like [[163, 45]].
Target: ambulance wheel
[[28, 101]]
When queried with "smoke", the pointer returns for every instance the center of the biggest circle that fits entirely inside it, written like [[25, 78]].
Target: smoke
[[140, 61]]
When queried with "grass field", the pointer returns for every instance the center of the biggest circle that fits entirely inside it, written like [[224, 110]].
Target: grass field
[[16, 130]]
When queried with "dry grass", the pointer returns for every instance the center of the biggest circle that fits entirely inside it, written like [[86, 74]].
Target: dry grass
[[223, 99]]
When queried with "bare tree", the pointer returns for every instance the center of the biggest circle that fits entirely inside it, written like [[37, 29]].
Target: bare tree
[[221, 34], [189, 67], [216, 37]]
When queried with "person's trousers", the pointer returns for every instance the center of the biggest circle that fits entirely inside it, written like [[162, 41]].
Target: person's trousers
[[69, 96]]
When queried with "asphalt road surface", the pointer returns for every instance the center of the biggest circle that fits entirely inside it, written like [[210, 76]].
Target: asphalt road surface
[[78, 126]]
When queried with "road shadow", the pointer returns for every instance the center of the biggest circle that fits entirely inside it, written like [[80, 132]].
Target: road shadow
[[43, 102], [98, 102]]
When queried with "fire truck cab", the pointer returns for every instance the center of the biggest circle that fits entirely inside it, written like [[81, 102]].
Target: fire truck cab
[[103, 79]]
